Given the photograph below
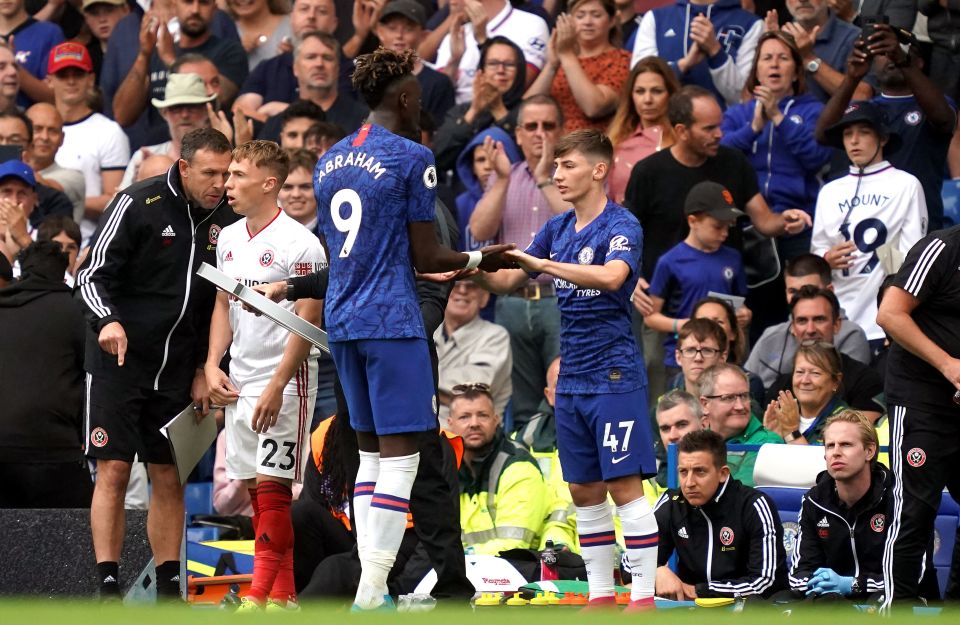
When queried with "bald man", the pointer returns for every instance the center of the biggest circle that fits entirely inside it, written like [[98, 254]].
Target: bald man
[[47, 139]]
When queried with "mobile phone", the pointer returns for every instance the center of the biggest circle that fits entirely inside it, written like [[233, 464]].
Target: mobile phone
[[868, 24], [11, 153]]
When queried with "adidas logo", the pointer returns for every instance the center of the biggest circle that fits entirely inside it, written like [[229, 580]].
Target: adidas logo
[[823, 522], [229, 256], [670, 33], [109, 579], [175, 578], [682, 532], [168, 232]]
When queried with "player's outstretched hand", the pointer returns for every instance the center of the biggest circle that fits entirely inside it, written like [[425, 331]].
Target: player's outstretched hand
[[495, 257], [267, 410], [447, 276], [219, 388], [525, 261]]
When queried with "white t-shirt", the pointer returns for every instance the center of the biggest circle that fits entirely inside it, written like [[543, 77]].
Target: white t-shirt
[[889, 208], [92, 145], [527, 30], [283, 249]]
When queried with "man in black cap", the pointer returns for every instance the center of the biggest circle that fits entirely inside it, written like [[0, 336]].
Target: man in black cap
[[401, 28], [868, 220]]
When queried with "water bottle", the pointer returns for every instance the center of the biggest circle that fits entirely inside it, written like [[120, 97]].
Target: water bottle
[[416, 602], [548, 563]]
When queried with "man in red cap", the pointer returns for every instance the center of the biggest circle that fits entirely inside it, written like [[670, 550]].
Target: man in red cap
[[92, 143]]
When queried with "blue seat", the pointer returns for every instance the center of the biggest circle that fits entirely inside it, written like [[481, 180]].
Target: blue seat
[[198, 498], [951, 202], [945, 528], [787, 501]]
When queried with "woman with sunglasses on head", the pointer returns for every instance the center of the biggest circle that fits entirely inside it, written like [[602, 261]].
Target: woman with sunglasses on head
[[497, 90], [640, 126], [774, 129], [799, 416], [585, 66]]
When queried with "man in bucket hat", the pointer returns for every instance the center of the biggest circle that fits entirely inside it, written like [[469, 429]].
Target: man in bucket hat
[[184, 107], [867, 221]]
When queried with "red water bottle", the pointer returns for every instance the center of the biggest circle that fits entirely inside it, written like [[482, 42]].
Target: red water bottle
[[548, 563]]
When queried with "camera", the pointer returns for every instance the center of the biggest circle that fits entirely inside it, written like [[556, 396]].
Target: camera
[[868, 24]]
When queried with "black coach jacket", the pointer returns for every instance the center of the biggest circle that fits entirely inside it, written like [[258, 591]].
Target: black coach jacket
[[848, 540], [141, 271], [730, 547]]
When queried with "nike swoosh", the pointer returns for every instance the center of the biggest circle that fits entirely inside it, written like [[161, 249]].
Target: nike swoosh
[[620, 459], [552, 254]]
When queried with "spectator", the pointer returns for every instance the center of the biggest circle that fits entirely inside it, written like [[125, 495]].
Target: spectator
[[157, 52], [296, 192], [41, 357], [901, 13], [678, 413], [191, 63], [271, 85], [154, 165], [322, 136], [132, 392], [641, 126], [33, 41], [184, 108], [725, 397], [474, 167], [585, 69], [697, 266], [9, 80], [92, 143], [401, 27], [868, 219], [629, 20], [264, 27], [458, 55], [943, 27], [772, 355], [497, 89], [701, 343], [709, 43], [471, 349], [316, 66], [6, 272], [518, 201], [721, 311], [296, 120], [101, 17], [48, 138], [18, 199], [799, 417], [815, 318], [913, 108], [65, 231], [775, 132], [825, 42], [727, 536], [511, 516], [845, 517], [921, 312]]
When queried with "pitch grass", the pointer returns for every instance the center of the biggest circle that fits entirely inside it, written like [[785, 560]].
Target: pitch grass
[[59, 612]]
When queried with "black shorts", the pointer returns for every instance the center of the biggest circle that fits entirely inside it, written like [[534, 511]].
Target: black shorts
[[123, 420]]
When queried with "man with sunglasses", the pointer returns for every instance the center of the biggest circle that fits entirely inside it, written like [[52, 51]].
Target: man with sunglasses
[[502, 496], [725, 397]]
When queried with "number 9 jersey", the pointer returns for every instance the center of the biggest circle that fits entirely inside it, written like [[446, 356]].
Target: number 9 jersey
[[369, 186]]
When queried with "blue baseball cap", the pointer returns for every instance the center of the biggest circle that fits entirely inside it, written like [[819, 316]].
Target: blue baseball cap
[[18, 169]]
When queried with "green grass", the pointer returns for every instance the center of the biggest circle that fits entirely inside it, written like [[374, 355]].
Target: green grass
[[59, 612]]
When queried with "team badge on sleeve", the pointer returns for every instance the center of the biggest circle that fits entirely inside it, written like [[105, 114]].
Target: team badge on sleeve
[[619, 243], [430, 177]]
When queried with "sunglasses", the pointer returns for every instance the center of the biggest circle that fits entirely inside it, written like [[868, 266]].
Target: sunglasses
[[546, 126], [461, 389]]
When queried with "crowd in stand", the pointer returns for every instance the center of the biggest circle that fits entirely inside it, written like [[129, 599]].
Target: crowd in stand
[[782, 157]]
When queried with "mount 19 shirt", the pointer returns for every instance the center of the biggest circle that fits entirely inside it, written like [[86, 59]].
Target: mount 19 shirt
[[369, 186], [597, 351], [282, 249]]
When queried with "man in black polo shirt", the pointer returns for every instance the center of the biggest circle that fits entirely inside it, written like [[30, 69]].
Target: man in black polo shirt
[[921, 312]]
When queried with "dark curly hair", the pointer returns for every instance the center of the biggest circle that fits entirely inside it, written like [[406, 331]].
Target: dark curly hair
[[375, 72]]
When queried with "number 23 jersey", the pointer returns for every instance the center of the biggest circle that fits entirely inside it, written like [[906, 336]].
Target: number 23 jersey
[[369, 187]]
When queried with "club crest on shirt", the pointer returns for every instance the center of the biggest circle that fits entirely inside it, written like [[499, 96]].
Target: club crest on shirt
[[585, 257], [916, 457], [877, 522], [726, 536], [266, 259], [796, 119], [430, 177], [98, 437], [213, 234], [912, 118], [728, 274], [537, 43]]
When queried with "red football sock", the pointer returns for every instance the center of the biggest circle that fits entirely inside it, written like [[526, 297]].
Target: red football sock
[[284, 587], [256, 508], [274, 537]]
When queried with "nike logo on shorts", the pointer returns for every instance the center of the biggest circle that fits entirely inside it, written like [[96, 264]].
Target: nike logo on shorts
[[620, 459]]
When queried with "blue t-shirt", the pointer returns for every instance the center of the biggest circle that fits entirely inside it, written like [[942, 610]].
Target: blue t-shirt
[[33, 41], [684, 275], [369, 186], [598, 353]]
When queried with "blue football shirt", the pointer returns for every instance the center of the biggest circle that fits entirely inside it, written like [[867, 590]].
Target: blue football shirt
[[684, 275], [598, 353], [369, 186]]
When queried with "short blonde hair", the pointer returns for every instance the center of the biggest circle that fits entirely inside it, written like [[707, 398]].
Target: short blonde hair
[[868, 433], [265, 155]]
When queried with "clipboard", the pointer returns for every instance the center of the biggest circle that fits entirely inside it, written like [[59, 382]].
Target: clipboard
[[271, 310], [189, 440]]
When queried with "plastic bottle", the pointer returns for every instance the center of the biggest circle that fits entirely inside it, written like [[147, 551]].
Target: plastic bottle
[[415, 602], [548, 563]]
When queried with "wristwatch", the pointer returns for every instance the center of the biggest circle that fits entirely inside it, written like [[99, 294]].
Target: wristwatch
[[814, 65], [792, 436]]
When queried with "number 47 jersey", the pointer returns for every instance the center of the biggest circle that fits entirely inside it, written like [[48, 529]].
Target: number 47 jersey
[[369, 187]]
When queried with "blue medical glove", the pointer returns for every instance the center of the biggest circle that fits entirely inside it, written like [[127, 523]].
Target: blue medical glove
[[826, 581]]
